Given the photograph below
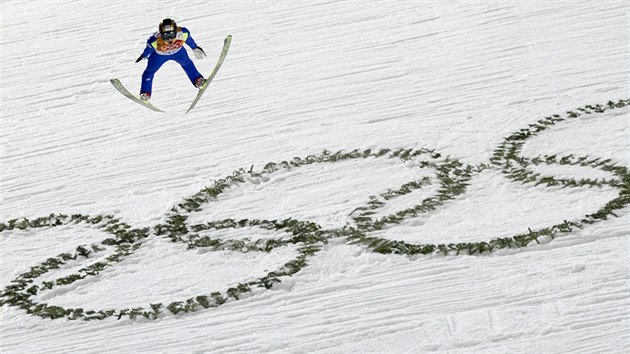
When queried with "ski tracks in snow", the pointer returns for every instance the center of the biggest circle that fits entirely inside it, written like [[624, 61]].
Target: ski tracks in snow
[[303, 78]]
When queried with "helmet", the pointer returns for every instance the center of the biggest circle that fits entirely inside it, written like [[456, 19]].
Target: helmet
[[168, 29]]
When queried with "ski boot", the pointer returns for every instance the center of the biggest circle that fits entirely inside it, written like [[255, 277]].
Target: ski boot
[[199, 82]]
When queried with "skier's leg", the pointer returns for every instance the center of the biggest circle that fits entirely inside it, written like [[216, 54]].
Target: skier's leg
[[154, 64], [189, 67]]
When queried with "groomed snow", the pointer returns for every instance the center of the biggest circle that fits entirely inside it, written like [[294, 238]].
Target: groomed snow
[[300, 78]]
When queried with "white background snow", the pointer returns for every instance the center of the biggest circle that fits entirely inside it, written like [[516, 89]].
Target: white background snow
[[302, 77]]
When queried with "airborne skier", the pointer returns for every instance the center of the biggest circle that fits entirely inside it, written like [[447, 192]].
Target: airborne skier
[[167, 44]]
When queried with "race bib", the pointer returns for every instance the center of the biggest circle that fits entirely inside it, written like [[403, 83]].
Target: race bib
[[165, 48]]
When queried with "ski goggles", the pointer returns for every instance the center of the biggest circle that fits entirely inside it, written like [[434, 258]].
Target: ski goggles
[[168, 34]]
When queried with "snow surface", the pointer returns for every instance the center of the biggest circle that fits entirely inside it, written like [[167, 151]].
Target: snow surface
[[302, 77]]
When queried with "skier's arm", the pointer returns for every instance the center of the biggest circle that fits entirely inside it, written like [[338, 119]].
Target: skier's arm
[[148, 50], [199, 53], [189, 39]]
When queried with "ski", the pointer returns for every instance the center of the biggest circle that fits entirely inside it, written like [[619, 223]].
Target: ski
[[133, 97], [226, 47]]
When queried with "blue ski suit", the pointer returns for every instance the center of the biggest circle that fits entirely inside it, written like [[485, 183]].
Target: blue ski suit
[[158, 52]]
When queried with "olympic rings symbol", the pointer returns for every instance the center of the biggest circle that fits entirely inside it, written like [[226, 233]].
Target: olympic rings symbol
[[307, 238]]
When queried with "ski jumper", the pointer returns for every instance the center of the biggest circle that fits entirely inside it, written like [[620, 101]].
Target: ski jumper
[[158, 52]]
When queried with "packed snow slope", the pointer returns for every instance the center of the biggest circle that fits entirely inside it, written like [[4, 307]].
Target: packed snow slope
[[359, 177]]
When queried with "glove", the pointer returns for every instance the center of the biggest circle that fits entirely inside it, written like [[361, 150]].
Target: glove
[[140, 58], [199, 53]]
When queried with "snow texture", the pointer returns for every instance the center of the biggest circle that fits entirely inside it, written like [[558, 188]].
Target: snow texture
[[302, 77]]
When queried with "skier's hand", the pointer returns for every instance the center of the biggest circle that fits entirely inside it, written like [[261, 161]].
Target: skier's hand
[[199, 53], [140, 58]]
